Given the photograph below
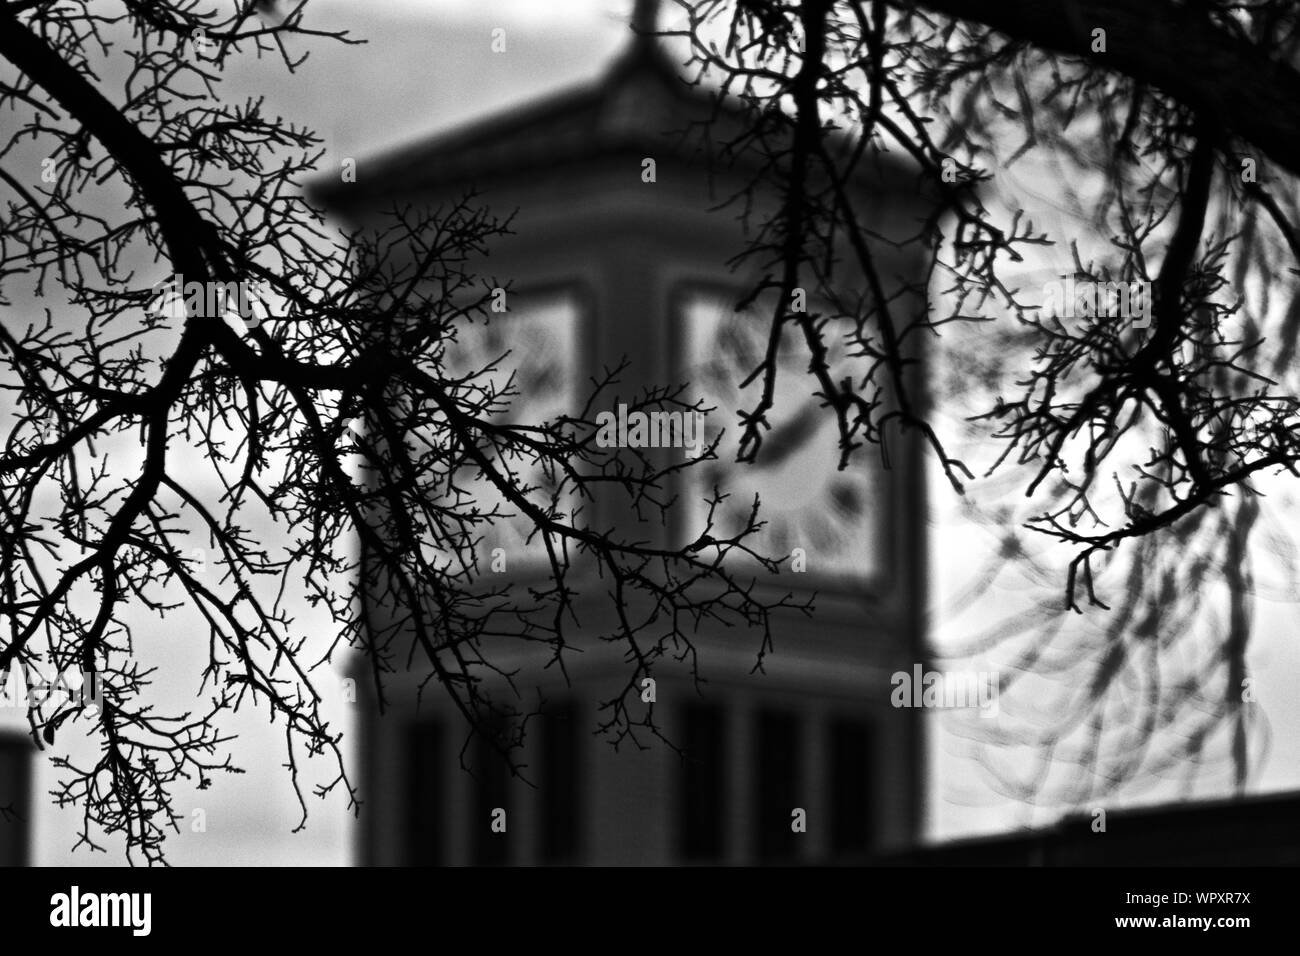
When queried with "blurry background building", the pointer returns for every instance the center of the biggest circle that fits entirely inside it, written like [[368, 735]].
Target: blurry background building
[[15, 798]]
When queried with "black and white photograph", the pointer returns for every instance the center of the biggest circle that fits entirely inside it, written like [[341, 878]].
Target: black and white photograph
[[827, 449]]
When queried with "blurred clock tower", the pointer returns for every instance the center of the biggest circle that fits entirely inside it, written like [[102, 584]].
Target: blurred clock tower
[[605, 263]]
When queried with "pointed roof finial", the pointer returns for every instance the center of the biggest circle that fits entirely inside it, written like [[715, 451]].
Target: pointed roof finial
[[645, 20]]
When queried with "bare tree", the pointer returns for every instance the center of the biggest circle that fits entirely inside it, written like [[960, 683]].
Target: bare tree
[[1136, 429], [1140, 445], [308, 393]]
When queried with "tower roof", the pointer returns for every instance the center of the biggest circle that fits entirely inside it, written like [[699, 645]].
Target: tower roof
[[640, 105]]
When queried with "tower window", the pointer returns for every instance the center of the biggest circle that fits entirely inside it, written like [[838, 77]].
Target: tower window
[[560, 796], [849, 754], [703, 794], [425, 793], [491, 792], [776, 769]]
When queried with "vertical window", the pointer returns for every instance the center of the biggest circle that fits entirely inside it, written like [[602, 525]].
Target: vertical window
[[560, 796], [849, 755], [425, 769], [491, 792], [703, 784], [776, 768]]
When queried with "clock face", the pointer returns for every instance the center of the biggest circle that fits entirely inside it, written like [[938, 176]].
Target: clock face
[[541, 339], [806, 502]]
